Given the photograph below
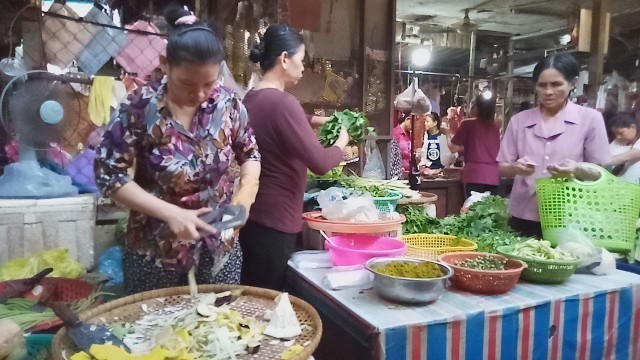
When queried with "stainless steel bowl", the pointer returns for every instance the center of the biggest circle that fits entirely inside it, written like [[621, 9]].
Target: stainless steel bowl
[[408, 290]]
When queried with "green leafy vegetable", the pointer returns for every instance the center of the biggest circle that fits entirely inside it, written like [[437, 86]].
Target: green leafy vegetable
[[541, 250], [483, 263], [486, 223], [355, 122]]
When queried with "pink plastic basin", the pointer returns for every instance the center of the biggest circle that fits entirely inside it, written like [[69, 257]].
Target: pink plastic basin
[[357, 249]]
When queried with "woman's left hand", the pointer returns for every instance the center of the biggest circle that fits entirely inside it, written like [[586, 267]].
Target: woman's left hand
[[563, 170]]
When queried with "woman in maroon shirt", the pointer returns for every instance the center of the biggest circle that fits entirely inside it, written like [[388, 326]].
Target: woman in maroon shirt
[[480, 138], [288, 146]]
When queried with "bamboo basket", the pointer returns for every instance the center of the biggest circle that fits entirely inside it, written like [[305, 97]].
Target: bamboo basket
[[253, 302]]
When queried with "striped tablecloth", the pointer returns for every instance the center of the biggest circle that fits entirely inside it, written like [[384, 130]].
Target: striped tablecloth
[[588, 317]]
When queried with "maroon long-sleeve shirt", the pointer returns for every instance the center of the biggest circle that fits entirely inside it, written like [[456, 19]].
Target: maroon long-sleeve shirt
[[288, 147]]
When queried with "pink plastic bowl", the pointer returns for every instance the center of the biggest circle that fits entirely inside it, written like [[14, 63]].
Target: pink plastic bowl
[[358, 249]]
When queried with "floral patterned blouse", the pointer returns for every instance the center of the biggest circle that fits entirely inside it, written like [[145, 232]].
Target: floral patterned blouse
[[191, 168]]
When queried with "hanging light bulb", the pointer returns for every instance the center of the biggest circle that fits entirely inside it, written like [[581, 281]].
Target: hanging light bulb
[[421, 56]]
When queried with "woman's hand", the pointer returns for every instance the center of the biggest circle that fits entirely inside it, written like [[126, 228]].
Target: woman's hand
[[524, 167], [186, 225], [343, 138], [562, 170]]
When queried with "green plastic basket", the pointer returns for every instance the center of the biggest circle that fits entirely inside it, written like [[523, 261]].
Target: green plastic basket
[[606, 210], [38, 346], [542, 271], [387, 204]]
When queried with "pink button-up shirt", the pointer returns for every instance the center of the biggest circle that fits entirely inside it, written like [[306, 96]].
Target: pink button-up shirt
[[582, 137], [404, 143]]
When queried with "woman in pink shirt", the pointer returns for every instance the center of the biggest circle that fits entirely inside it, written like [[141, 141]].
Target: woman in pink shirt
[[402, 135], [541, 141]]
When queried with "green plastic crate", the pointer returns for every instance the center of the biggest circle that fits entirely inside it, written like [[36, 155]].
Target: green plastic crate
[[542, 271], [606, 210]]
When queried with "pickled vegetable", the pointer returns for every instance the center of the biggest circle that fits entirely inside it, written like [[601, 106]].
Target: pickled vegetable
[[483, 263], [407, 269]]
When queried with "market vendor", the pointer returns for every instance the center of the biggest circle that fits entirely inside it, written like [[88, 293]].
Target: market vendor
[[549, 139], [402, 135], [626, 147], [436, 152], [182, 139], [480, 136], [288, 146]]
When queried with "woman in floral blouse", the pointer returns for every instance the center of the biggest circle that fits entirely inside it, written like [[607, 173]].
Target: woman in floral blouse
[[182, 141]]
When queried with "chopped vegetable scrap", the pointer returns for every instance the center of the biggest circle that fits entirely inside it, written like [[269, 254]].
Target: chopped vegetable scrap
[[207, 327]]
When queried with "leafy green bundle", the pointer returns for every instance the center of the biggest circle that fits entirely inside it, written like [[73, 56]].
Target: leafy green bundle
[[356, 123], [486, 223]]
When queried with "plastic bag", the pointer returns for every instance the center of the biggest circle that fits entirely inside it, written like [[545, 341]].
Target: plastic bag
[[595, 259], [421, 103], [58, 259], [404, 100], [342, 205], [111, 265], [474, 198], [374, 167]]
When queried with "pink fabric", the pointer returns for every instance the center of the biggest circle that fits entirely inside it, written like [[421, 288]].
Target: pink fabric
[[141, 54], [582, 138], [404, 143], [481, 144], [187, 20]]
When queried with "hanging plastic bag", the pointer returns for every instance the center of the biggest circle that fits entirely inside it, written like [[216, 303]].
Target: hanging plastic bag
[[374, 167], [421, 103], [340, 204], [595, 260], [58, 259], [404, 100]]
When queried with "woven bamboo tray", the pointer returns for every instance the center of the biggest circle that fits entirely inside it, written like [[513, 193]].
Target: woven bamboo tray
[[253, 302]]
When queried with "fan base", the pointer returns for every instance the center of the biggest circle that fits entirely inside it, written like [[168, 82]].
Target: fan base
[[28, 180]]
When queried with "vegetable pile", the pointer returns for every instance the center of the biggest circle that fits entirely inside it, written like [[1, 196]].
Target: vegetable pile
[[541, 250], [355, 122], [19, 310], [206, 327], [486, 223], [483, 263], [407, 269]]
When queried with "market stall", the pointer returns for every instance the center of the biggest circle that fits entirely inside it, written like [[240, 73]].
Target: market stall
[[586, 317]]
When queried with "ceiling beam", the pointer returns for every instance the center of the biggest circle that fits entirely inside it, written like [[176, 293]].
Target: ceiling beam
[[540, 33]]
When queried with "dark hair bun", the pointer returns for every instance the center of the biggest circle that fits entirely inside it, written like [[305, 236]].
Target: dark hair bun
[[174, 12], [256, 54]]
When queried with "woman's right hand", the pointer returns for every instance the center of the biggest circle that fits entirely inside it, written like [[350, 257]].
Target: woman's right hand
[[186, 225], [343, 138], [524, 167]]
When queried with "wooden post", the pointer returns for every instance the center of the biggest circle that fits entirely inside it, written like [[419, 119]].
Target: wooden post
[[509, 98], [33, 50], [599, 38]]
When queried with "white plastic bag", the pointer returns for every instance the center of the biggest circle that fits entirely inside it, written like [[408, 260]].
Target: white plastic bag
[[340, 205], [374, 167], [474, 198], [595, 259], [421, 103], [404, 100]]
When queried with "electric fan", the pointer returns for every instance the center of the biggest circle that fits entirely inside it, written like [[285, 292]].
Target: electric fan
[[36, 109]]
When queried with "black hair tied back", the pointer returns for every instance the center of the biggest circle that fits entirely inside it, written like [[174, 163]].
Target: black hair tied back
[[191, 41], [257, 52], [278, 39]]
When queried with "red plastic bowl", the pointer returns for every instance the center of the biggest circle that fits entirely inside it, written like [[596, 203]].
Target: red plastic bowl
[[483, 281], [354, 249]]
